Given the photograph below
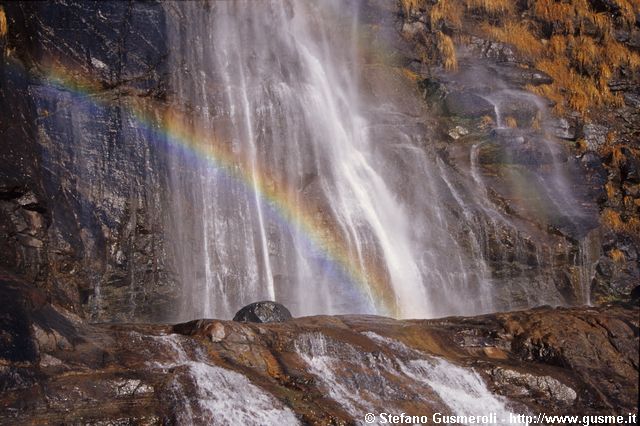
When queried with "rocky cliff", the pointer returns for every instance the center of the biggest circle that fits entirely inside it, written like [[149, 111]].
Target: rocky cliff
[[84, 189], [80, 187]]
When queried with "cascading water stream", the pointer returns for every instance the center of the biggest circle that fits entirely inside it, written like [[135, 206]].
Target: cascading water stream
[[364, 382], [203, 393], [309, 181], [321, 218], [551, 184]]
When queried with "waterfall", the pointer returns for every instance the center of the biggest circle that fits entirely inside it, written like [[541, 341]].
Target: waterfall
[[309, 174], [322, 203], [462, 389]]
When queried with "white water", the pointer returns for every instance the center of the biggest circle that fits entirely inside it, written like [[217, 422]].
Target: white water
[[279, 83], [462, 390], [363, 382], [206, 394], [289, 88], [393, 379]]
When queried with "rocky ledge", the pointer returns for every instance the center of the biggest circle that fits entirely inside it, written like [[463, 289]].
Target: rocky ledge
[[55, 368]]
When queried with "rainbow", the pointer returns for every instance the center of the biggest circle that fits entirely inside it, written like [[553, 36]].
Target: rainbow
[[369, 279]]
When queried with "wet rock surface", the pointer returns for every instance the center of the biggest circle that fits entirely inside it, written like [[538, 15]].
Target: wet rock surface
[[80, 188], [595, 151], [55, 368], [468, 104], [520, 77]]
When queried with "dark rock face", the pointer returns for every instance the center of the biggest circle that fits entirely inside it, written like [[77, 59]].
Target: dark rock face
[[80, 191], [514, 146], [263, 312], [54, 368], [595, 136], [17, 339]]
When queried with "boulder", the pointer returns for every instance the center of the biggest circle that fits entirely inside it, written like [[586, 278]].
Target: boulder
[[262, 312]]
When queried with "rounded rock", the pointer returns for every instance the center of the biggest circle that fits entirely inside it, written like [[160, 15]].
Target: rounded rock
[[263, 312]]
